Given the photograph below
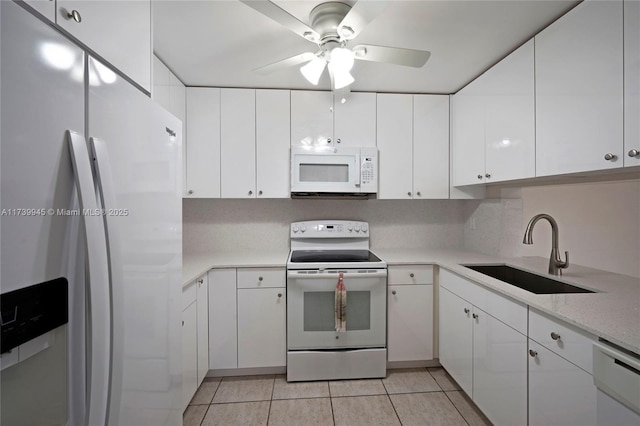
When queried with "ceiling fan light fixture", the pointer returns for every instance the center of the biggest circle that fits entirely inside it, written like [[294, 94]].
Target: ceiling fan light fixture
[[341, 77], [313, 70], [342, 58]]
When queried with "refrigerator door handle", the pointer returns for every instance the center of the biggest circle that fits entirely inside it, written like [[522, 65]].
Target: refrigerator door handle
[[98, 309], [105, 184]]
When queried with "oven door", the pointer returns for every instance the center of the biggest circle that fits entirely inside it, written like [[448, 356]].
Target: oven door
[[311, 309], [325, 171]]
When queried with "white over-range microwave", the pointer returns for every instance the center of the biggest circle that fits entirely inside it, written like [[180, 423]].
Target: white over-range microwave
[[334, 171]]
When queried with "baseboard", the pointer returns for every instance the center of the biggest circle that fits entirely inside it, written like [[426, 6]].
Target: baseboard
[[246, 371]]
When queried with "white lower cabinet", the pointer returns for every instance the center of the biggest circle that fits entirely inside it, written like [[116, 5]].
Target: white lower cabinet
[[189, 346], [247, 318], [410, 313], [261, 327], [202, 326], [560, 393], [486, 356]]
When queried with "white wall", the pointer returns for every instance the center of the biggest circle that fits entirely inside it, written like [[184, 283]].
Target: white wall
[[599, 223], [211, 224]]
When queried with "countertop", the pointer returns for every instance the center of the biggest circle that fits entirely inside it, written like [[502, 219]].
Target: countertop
[[613, 312]]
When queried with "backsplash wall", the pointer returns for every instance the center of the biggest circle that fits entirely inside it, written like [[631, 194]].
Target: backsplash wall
[[211, 225]]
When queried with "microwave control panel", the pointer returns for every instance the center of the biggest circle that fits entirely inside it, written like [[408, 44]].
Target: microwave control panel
[[368, 170]]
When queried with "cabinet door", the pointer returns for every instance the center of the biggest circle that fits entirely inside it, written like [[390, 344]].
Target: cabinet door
[[238, 143], [161, 92], [395, 146], [467, 141], [261, 327], [579, 86], [272, 143], [203, 143], [431, 146], [499, 370], [355, 120], [410, 326], [631, 82], [456, 338], [118, 31], [46, 8], [202, 295], [189, 356], [223, 331], [510, 116], [559, 392], [311, 118]]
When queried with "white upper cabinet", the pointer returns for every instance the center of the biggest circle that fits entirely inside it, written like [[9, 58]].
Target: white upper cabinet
[[631, 83], [46, 8], [118, 31], [237, 143], [493, 123], [272, 143], [579, 90], [395, 146], [203, 144], [319, 121], [355, 120], [168, 90], [311, 118], [431, 146]]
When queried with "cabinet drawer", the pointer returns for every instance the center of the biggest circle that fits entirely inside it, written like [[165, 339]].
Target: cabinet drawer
[[189, 294], [570, 343], [261, 277], [410, 274]]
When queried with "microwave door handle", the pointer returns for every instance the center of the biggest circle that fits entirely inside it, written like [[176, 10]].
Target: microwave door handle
[[359, 174]]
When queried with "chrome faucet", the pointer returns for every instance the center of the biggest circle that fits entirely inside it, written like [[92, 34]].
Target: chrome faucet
[[556, 265]]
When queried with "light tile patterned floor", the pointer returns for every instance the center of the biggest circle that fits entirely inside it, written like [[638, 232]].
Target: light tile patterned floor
[[417, 396]]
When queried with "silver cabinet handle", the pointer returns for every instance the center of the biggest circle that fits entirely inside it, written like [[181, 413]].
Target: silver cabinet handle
[[634, 153], [183, 323], [411, 275], [487, 175], [250, 192], [610, 157], [418, 194], [200, 282], [328, 140], [533, 353], [475, 316], [479, 176], [260, 278], [338, 140], [555, 336], [75, 15], [260, 192], [409, 194], [393, 292], [466, 310], [279, 294], [190, 192]]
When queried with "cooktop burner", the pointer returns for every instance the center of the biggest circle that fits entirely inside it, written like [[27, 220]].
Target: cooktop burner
[[329, 256]]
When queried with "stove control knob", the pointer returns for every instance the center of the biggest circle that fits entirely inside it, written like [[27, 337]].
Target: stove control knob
[[350, 228], [357, 228], [364, 228], [295, 228], [303, 228]]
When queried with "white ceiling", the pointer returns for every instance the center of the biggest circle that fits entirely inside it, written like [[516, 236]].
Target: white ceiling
[[219, 42]]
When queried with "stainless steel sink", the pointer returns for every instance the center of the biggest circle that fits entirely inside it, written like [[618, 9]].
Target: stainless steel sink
[[526, 280]]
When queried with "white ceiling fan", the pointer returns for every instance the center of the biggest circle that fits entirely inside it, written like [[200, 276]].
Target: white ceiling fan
[[332, 26]]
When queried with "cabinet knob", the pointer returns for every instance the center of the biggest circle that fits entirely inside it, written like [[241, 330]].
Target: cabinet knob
[[409, 194], [183, 323], [479, 176], [328, 140], [411, 275], [338, 140], [533, 353], [393, 292], [466, 310], [418, 194], [190, 192], [610, 157], [555, 336], [475, 316], [75, 15], [259, 192], [487, 175], [634, 153], [279, 294], [200, 282], [250, 192], [260, 278]]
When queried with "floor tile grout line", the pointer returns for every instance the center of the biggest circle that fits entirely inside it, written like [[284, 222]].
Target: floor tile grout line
[[205, 415], [456, 407], [273, 385]]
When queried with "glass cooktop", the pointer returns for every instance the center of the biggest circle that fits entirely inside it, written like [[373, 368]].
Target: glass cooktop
[[329, 256]]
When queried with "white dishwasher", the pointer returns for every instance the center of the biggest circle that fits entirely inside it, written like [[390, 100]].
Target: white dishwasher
[[616, 373]]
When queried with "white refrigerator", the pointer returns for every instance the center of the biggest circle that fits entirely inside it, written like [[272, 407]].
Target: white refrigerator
[[90, 176]]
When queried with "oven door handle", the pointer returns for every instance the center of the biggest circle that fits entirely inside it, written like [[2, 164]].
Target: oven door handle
[[325, 275]]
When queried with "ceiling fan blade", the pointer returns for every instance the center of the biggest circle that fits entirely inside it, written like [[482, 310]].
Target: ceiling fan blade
[[288, 62], [363, 12], [284, 18], [391, 55]]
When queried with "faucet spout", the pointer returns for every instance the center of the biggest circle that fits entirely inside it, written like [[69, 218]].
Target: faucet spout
[[556, 264]]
